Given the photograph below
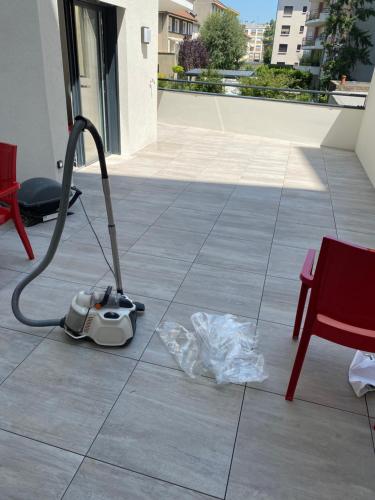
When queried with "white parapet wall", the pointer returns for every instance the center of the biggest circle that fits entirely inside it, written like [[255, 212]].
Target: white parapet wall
[[365, 147], [310, 124]]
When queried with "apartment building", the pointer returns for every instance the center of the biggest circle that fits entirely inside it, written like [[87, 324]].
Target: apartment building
[[255, 47], [313, 42], [204, 8], [290, 32], [174, 27]]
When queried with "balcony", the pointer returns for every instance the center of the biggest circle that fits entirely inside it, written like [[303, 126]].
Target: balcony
[[317, 17], [312, 42], [171, 5], [216, 216]]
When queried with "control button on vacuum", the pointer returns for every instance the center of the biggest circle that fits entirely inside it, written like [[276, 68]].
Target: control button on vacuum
[[111, 315]]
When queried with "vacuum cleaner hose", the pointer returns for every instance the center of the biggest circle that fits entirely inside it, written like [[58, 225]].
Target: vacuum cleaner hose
[[79, 125]]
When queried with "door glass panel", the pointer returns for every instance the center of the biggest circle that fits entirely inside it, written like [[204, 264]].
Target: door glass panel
[[90, 73]]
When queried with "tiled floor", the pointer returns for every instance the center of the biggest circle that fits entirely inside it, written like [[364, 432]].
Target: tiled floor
[[206, 222]]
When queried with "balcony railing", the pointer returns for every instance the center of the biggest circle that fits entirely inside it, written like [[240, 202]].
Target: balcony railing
[[317, 14], [298, 96], [313, 41]]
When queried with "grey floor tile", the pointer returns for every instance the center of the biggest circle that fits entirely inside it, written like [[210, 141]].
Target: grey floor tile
[[74, 224], [150, 275], [324, 377], [171, 243], [44, 298], [300, 450], [34, 471], [187, 220], [156, 351], [170, 427], [127, 234], [61, 394], [7, 276], [233, 292], [370, 397], [14, 348], [361, 239], [235, 225], [99, 481], [286, 262], [279, 302], [305, 216], [301, 235], [13, 254], [146, 325], [232, 253], [208, 202]]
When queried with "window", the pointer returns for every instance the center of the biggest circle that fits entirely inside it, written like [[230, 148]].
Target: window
[[184, 27], [190, 28], [170, 24], [285, 30], [304, 10], [299, 47], [258, 48], [283, 48], [280, 63], [301, 30], [288, 11], [176, 25]]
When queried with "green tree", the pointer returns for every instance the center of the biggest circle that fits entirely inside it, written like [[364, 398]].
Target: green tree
[[268, 37], [346, 43], [225, 40]]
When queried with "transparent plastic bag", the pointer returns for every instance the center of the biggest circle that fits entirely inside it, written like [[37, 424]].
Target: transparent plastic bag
[[219, 346]]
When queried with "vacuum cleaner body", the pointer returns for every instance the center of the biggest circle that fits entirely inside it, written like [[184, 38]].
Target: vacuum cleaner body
[[109, 319]]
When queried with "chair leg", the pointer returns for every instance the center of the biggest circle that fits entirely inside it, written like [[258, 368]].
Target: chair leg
[[16, 216], [300, 310], [300, 357]]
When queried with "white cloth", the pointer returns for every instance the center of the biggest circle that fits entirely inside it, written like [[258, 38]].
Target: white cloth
[[362, 373]]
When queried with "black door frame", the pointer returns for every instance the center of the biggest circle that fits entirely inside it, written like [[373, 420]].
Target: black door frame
[[109, 53]]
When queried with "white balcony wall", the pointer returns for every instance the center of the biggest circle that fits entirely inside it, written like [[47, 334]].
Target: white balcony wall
[[32, 97], [365, 146], [309, 124]]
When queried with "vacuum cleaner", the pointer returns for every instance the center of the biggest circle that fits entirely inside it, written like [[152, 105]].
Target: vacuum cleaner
[[107, 317]]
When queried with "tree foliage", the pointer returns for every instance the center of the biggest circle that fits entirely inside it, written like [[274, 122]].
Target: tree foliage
[[268, 37], [193, 54], [346, 43], [225, 40]]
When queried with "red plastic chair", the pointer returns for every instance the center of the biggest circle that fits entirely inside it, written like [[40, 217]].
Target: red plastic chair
[[8, 193], [342, 301]]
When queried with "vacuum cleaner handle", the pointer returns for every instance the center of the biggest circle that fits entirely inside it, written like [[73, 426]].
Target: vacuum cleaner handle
[[80, 125]]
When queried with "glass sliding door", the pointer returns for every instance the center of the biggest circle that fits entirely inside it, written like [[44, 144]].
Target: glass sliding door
[[92, 44]]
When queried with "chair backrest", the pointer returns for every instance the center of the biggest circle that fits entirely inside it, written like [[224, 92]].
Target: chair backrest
[[8, 155], [344, 284]]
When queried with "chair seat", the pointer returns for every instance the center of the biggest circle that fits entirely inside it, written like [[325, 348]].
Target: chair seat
[[4, 215], [343, 333]]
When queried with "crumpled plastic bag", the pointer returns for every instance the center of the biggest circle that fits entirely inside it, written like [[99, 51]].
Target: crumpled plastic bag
[[362, 373], [219, 346]]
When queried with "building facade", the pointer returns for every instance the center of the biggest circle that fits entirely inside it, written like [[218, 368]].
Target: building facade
[[61, 58], [255, 46], [174, 27], [290, 31], [313, 42], [204, 8]]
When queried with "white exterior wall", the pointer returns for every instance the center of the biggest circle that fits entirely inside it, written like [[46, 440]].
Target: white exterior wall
[[303, 123], [255, 46], [32, 96], [365, 148], [32, 93], [295, 38]]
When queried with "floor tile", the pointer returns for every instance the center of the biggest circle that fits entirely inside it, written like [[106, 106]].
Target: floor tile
[[147, 429], [370, 398], [245, 227], [232, 253], [324, 377], [150, 275], [208, 202], [305, 216], [31, 470], [171, 243], [61, 394], [361, 239], [301, 235], [44, 298], [286, 262], [14, 348], [156, 351], [99, 481], [300, 450], [233, 292], [146, 325], [188, 220], [279, 302], [13, 254]]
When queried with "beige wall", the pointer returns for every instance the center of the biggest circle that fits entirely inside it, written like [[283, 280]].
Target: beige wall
[[366, 146], [316, 125]]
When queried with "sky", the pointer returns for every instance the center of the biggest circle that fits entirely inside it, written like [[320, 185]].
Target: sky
[[254, 10]]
